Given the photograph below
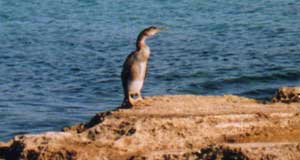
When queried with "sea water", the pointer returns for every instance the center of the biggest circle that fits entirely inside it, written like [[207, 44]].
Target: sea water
[[60, 60]]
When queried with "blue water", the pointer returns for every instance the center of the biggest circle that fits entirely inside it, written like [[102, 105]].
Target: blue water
[[60, 60]]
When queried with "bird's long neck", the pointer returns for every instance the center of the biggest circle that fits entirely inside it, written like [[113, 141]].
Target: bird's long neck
[[141, 42]]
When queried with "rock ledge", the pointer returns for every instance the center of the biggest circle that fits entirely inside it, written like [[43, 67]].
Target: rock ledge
[[173, 127]]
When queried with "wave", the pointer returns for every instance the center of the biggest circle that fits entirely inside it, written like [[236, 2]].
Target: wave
[[290, 75]]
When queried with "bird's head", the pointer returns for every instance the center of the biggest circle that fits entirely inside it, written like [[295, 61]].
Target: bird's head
[[148, 32], [151, 31]]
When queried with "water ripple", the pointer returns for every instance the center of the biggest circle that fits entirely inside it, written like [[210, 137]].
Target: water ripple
[[60, 60]]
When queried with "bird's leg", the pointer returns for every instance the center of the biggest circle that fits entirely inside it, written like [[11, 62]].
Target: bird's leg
[[131, 100], [143, 102], [125, 102], [139, 97], [135, 98]]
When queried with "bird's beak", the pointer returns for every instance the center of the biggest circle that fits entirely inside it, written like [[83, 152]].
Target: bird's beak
[[162, 28]]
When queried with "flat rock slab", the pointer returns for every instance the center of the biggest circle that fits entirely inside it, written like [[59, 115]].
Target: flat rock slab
[[173, 127]]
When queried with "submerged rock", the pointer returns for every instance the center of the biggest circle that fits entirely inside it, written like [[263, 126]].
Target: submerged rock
[[172, 127]]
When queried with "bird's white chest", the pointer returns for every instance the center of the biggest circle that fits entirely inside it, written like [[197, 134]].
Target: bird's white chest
[[142, 70], [136, 86], [137, 83]]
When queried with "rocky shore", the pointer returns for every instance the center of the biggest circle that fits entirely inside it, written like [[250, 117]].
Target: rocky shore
[[174, 127]]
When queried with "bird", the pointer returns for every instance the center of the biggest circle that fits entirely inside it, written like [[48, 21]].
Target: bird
[[135, 69]]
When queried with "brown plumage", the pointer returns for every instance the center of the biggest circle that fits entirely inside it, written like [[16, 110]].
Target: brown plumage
[[135, 68]]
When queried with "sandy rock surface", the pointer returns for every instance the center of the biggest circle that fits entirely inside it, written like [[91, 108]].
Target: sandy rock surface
[[173, 127]]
